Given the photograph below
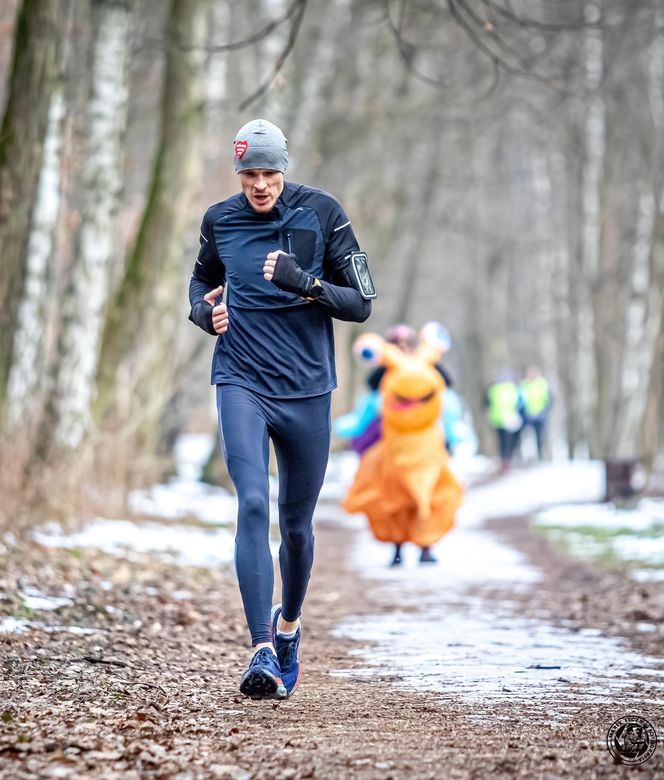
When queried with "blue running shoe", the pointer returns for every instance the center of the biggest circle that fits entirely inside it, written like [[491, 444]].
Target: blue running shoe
[[263, 680], [288, 653]]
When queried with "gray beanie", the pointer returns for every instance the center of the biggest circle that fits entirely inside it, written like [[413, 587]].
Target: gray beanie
[[260, 144]]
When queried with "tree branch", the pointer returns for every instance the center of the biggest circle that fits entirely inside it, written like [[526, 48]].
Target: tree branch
[[299, 6], [252, 39], [486, 26], [455, 7], [521, 21], [406, 48]]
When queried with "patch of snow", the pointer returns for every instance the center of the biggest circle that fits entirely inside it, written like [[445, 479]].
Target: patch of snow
[[180, 498], [524, 491], [185, 545], [78, 630], [647, 550], [632, 531], [466, 556], [192, 451], [12, 625], [341, 468], [646, 627], [41, 602], [647, 575], [184, 495], [469, 468], [647, 513]]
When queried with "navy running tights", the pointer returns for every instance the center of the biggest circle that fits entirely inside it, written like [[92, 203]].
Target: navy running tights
[[300, 431]]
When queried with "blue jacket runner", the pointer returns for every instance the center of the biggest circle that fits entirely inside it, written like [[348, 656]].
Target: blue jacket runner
[[277, 343]]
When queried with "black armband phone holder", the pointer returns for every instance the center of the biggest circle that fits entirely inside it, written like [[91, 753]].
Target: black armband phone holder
[[360, 266]]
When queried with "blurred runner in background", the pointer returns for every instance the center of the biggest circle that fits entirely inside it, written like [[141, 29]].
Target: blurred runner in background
[[504, 413], [536, 402]]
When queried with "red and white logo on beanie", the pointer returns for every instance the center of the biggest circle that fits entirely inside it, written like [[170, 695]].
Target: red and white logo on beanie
[[241, 148]]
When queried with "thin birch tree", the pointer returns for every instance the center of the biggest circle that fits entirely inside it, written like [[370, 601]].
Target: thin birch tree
[[135, 368], [89, 278], [34, 76]]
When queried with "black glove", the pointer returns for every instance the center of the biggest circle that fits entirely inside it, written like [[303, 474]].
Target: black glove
[[290, 277]]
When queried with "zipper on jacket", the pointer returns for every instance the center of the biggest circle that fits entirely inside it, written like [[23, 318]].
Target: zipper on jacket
[[290, 246]]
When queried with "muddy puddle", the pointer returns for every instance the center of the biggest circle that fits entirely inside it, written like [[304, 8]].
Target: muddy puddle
[[482, 657]]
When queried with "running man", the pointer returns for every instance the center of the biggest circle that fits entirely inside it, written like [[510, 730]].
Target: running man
[[276, 263]]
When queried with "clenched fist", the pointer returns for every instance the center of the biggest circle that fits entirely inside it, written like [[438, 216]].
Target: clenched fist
[[283, 270], [270, 264], [219, 311]]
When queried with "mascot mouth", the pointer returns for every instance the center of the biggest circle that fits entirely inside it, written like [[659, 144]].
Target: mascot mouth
[[401, 402]]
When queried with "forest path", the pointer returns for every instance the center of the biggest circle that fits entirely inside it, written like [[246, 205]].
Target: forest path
[[152, 690]]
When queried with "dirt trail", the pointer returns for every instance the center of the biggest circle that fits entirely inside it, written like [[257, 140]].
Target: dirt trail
[[153, 692]]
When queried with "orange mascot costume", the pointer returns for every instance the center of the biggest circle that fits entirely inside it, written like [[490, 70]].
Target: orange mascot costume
[[404, 484]]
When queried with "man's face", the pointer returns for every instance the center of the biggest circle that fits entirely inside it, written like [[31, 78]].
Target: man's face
[[262, 188]]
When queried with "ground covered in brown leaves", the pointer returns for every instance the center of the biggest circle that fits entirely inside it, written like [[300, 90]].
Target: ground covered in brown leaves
[[152, 693]]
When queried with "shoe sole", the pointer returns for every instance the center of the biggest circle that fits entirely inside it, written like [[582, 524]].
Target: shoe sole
[[257, 684], [297, 679], [275, 608]]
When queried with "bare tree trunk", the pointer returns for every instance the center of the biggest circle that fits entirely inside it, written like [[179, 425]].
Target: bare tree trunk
[[479, 352], [643, 321], [413, 265], [569, 338], [135, 371], [591, 228], [87, 291], [8, 14], [642, 290], [608, 326], [547, 283], [34, 76], [28, 365], [654, 445], [654, 403]]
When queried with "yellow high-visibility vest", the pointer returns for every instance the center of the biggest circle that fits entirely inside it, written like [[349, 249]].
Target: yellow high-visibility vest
[[535, 394], [503, 404]]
